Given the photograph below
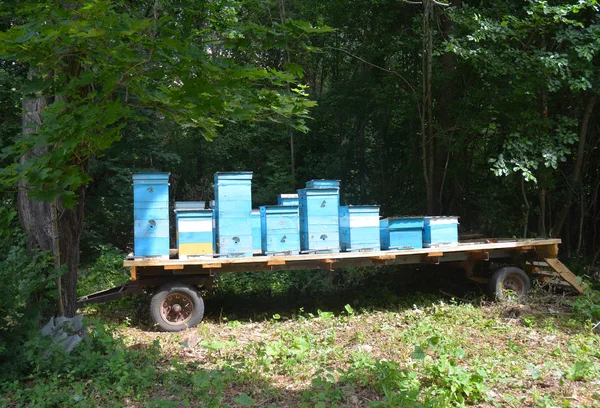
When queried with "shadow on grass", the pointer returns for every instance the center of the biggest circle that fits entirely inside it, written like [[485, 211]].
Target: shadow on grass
[[256, 296]]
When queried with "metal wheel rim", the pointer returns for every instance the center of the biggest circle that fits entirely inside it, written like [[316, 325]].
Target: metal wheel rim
[[515, 284], [176, 308]]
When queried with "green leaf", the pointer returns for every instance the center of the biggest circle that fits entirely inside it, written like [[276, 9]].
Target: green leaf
[[244, 400], [418, 353]]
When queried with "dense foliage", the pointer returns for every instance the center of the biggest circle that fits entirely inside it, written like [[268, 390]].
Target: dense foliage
[[507, 138]]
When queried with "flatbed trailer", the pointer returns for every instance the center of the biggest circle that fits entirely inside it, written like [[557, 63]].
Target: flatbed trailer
[[177, 304]]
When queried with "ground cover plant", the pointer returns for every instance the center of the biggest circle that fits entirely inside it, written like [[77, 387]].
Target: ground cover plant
[[423, 349]]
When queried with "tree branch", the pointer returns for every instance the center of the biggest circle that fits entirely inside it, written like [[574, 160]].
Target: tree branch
[[375, 66]]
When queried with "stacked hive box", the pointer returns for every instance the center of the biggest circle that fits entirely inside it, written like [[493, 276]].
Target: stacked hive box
[[440, 231], [280, 225], [287, 199], [256, 235], [233, 212], [402, 233], [194, 229], [359, 228], [319, 226], [151, 215]]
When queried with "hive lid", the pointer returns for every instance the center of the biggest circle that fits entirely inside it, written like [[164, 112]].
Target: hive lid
[[233, 175], [321, 183], [440, 220], [190, 205], [150, 177], [318, 191]]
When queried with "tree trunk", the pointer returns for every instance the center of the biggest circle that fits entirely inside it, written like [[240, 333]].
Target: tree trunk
[[542, 215], [36, 216], [362, 167], [576, 177], [426, 114]]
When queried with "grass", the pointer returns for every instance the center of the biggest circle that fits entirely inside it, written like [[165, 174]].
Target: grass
[[425, 350]]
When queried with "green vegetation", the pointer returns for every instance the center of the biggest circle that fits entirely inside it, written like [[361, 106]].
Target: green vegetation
[[417, 351]]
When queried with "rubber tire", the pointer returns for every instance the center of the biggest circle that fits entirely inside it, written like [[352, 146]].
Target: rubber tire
[[180, 288], [498, 279]]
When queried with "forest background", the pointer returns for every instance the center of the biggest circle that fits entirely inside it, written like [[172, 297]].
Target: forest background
[[482, 109]]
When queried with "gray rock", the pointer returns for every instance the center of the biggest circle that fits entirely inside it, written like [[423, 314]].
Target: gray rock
[[48, 328], [191, 341], [71, 342], [65, 332]]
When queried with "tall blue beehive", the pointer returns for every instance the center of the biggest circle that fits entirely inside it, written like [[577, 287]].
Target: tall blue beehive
[[287, 199], [319, 225], [359, 228], [440, 231], [280, 229], [194, 229], [233, 213], [256, 235], [401, 233], [151, 215]]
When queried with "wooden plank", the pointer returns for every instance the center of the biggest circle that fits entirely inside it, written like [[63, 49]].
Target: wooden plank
[[383, 257], [276, 262], [546, 251], [292, 260], [435, 254], [211, 265], [565, 273], [327, 264], [133, 273], [430, 259], [173, 267], [463, 247]]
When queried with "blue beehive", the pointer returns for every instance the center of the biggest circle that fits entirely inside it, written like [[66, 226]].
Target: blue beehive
[[233, 213], [256, 235], [359, 227], [280, 229], [319, 226], [287, 199], [151, 215], [402, 233], [194, 229], [440, 232]]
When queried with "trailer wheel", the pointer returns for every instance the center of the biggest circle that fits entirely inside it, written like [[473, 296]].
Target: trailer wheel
[[509, 282], [176, 306]]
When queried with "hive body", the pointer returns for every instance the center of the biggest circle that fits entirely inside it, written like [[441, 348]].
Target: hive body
[[151, 215], [233, 213], [359, 228], [402, 233]]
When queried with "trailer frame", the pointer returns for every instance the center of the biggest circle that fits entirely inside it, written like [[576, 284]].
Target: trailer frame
[[536, 257]]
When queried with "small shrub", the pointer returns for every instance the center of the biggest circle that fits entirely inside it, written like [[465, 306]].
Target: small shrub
[[587, 305], [106, 272], [25, 277]]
